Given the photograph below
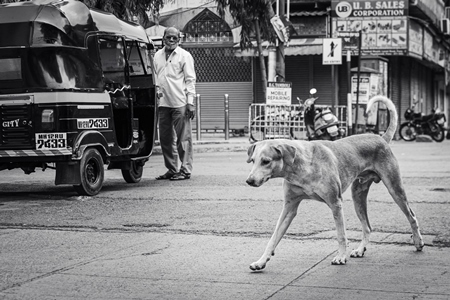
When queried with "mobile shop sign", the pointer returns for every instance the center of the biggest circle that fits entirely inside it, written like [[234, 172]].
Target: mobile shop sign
[[279, 93], [371, 8]]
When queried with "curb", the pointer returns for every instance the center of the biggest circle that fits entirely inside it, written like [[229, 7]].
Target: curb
[[213, 146]]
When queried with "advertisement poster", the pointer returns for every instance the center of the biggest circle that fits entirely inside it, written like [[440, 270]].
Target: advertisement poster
[[364, 89]]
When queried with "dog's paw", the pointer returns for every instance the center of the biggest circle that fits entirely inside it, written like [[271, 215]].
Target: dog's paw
[[358, 252], [257, 266], [419, 246], [339, 260], [418, 242]]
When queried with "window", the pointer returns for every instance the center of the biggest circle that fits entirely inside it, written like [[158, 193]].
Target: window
[[138, 58], [10, 69], [112, 56], [207, 27]]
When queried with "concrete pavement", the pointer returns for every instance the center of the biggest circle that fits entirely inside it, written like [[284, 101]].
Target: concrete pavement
[[113, 265], [71, 264]]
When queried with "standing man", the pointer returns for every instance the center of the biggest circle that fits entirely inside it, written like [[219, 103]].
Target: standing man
[[175, 83]]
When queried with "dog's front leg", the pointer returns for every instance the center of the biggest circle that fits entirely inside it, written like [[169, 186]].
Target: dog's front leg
[[287, 215], [338, 214]]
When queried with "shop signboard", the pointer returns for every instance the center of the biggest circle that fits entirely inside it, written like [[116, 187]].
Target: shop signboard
[[383, 25], [415, 40]]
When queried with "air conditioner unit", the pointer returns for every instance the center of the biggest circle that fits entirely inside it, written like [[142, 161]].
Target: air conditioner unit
[[445, 26]]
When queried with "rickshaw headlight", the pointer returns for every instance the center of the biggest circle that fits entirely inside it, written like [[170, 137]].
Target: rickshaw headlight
[[48, 119]]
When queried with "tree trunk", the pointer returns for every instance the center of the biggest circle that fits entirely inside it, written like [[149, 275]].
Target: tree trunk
[[262, 63]]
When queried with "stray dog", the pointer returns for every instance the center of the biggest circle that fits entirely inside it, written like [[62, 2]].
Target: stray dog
[[323, 170]]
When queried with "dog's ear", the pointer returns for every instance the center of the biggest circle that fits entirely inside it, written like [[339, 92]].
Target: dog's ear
[[250, 153], [288, 153]]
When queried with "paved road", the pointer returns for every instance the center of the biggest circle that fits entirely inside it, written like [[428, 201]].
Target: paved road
[[195, 239]]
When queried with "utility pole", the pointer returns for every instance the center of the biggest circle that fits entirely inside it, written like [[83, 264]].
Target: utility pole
[[355, 129], [280, 67]]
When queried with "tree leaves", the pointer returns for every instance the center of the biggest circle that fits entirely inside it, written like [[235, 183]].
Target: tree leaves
[[130, 10], [246, 13]]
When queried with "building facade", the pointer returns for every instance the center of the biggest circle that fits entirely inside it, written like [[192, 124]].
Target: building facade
[[211, 41], [404, 49]]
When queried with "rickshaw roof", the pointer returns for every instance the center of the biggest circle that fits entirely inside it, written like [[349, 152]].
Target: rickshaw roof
[[72, 17]]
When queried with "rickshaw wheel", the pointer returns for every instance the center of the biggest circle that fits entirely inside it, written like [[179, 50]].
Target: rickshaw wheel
[[92, 173], [134, 174]]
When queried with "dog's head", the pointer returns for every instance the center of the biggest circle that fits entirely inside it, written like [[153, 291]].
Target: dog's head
[[269, 159]]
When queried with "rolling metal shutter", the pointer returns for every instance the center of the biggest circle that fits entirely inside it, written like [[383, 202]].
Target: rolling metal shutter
[[212, 104], [219, 72]]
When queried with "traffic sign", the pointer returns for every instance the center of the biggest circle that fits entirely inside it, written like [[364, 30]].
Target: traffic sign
[[332, 51]]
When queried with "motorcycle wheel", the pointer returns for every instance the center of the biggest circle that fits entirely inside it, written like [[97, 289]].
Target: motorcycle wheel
[[438, 135], [256, 135], [407, 132], [257, 129]]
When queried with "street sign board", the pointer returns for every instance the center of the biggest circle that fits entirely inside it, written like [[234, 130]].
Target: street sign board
[[332, 51]]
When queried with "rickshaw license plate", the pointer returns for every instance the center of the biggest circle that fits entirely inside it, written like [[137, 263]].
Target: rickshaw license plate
[[51, 141], [92, 123]]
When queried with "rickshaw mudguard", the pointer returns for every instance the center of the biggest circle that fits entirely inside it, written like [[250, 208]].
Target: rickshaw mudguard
[[87, 139], [69, 172]]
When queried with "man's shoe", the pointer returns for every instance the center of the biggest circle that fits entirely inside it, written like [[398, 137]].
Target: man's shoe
[[166, 176], [180, 176]]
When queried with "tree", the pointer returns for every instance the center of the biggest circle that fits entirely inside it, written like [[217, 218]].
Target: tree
[[254, 17], [123, 9], [128, 9]]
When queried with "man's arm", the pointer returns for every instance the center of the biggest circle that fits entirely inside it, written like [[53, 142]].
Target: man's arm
[[190, 78]]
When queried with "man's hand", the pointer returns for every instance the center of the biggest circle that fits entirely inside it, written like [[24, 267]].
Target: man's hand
[[190, 111], [159, 93]]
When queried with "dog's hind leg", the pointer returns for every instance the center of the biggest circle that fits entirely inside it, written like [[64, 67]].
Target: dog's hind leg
[[287, 215], [393, 182], [359, 195]]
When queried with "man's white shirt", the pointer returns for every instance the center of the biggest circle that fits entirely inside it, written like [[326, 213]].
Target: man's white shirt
[[175, 77]]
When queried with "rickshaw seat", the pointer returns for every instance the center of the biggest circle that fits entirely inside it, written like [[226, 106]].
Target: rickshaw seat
[[120, 102], [141, 81]]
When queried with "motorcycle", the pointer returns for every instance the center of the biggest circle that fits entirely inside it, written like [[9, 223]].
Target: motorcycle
[[418, 123], [320, 123]]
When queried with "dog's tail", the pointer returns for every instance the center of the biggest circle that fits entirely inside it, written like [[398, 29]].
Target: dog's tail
[[393, 117]]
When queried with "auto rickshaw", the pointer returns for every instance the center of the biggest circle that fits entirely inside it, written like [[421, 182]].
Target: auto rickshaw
[[76, 93]]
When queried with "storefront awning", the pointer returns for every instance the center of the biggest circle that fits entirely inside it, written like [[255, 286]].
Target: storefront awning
[[312, 46]]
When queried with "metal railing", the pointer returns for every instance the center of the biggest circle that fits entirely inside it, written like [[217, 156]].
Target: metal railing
[[267, 121]]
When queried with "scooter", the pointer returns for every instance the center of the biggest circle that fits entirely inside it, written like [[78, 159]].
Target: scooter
[[320, 123], [418, 123]]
